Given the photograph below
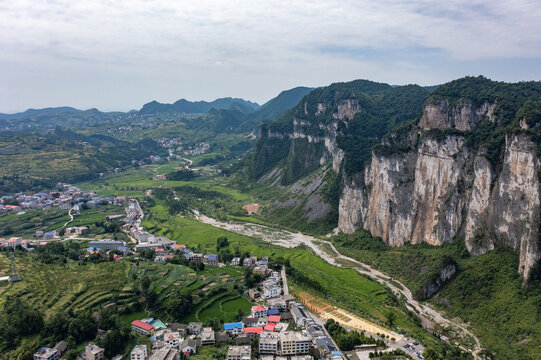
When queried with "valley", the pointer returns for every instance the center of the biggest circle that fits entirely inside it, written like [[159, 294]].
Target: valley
[[390, 208]]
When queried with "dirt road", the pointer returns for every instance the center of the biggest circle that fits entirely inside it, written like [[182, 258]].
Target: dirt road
[[284, 238]]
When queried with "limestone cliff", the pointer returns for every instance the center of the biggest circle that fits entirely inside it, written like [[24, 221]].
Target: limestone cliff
[[459, 163], [443, 188]]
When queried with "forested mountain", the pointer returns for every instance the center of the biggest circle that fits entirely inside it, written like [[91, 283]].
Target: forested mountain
[[284, 101]]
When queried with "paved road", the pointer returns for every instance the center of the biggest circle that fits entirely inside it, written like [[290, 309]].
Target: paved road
[[284, 281], [284, 238]]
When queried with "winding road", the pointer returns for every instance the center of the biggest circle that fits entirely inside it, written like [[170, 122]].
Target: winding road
[[426, 312]]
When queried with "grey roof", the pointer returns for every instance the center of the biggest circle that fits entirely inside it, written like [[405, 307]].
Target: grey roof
[[61, 346]]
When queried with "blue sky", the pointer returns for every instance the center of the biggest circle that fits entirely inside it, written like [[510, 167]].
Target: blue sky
[[118, 55]]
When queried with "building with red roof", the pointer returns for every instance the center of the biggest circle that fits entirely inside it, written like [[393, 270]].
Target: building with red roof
[[142, 327], [270, 327], [252, 331], [274, 318], [259, 311]]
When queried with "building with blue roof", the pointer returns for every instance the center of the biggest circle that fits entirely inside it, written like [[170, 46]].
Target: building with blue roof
[[234, 328], [212, 260], [273, 312]]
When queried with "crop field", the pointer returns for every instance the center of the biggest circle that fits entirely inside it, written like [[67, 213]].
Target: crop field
[[25, 225], [223, 306], [53, 287], [134, 182]]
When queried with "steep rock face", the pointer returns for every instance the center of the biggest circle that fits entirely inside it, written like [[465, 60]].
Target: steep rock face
[[389, 212], [478, 210], [352, 206], [437, 201], [347, 108], [414, 196], [441, 189], [463, 116], [516, 201]]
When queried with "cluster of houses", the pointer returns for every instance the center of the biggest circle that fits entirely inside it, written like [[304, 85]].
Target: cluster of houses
[[67, 197], [171, 143], [175, 144], [92, 352], [285, 330]]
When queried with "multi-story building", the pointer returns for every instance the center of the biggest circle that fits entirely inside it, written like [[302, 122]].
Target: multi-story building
[[106, 244], [208, 336], [164, 353], [197, 258], [172, 339], [268, 343], [259, 311], [294, 343], [139, 352], [212, 260], [271, 291], [46, 354], [239, 353], [142, 327], [234, 328], [195, 328], [94, 352]]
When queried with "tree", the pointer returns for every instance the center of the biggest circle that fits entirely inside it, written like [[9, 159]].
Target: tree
[[221, 242], [391, 318]]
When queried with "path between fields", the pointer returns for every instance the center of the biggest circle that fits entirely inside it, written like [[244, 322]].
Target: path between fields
[[289, 240], [70, 220]]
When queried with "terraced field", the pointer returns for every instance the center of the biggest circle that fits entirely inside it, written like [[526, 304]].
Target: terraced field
[[53, 287]]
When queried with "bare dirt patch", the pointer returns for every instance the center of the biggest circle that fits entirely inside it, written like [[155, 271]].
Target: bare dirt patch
[[251, 208]]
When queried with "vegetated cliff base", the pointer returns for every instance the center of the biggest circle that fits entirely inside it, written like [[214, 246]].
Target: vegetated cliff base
[[467, 168]]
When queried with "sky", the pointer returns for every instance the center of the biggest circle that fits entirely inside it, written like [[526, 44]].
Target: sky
[[120, 54]]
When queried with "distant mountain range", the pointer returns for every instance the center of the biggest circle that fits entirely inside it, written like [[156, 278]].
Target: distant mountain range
[[199, 107], [224, 114]]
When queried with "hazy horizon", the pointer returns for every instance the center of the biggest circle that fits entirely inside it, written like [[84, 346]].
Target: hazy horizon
[[120, 55]]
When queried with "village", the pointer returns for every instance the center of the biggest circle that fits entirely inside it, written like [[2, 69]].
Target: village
[[278, 327]]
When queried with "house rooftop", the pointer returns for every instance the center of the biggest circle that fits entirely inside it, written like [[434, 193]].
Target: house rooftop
[[231, 326], [143, 325], [253, 330]]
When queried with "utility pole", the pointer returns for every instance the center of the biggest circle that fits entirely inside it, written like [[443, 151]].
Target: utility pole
[[14, 276]]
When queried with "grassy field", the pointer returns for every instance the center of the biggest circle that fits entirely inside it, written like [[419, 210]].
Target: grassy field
[[487, 292]]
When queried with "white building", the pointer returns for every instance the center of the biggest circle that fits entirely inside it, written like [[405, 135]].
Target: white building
[[46, 354], [139, 352], [294, 343], [271, 291], [259, 311], [93, 352], [268, 343], [239, 353], [172, 339]]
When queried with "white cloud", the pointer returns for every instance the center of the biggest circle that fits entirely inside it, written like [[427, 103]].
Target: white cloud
[[255, 41]]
